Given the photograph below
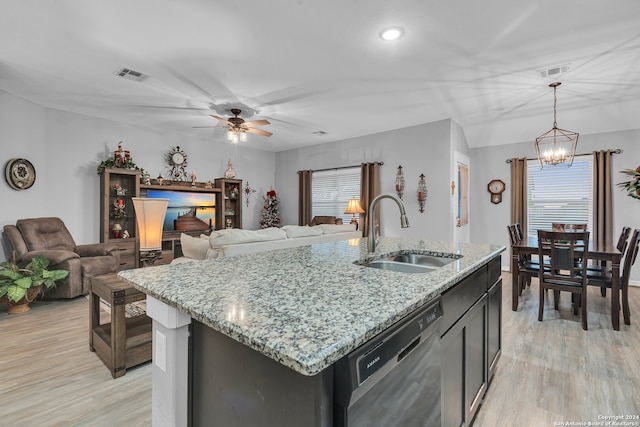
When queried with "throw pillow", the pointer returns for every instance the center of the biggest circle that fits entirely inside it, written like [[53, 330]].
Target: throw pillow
[[194, 247]]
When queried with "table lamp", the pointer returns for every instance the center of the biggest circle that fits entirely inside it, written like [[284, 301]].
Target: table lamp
[[150, 218], [354, 208]]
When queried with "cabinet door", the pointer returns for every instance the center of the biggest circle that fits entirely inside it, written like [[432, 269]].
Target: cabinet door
[[475, 357], [494, 324], [453, 409]]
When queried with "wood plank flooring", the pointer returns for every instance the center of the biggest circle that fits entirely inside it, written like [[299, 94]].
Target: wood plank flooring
[[550, 371]]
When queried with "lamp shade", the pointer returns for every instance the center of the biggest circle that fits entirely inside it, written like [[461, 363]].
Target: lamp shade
[[150, 217], [354, 207]]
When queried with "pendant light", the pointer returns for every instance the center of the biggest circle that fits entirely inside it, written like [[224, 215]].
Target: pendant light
[[557, 145]]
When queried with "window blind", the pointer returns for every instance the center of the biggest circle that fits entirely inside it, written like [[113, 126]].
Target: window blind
[[559, 194], [331, 191]]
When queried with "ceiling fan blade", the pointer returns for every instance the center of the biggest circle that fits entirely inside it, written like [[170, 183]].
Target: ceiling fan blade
[[170, 108], [222, 120], [259, 132], [209, 127], [257, 123]]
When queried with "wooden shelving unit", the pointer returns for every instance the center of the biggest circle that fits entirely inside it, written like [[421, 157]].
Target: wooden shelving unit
[[128, 183], [229, 207]]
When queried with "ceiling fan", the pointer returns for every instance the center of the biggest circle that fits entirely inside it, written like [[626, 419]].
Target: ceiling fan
[[238, 128]]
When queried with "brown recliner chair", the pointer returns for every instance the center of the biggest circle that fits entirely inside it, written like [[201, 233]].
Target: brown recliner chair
[[50, 238]]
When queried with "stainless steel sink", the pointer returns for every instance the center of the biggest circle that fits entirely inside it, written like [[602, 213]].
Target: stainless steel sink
[[422, 260], [411, 262], [403, 267]]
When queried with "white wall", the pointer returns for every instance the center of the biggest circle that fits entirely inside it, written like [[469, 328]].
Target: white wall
[[66, 148], [419, 149]]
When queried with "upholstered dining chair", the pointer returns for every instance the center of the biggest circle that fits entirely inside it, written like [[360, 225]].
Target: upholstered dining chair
[[50, 238], [603, 278], [560, 250]]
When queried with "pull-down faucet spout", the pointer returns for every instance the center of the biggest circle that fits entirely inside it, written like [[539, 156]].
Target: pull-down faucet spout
[[404, 221]]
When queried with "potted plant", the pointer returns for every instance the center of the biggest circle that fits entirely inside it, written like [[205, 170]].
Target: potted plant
[[20, 286], [633, 185]]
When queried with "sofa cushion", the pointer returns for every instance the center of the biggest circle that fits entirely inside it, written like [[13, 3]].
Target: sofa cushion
[[337, 228], [194, 247], [234, 236], [294, 231]]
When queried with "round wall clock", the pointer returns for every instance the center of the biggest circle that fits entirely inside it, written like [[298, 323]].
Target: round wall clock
[[20, 174], [496, 188], [177, 161]]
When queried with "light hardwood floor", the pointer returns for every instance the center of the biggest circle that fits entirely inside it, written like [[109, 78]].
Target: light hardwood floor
[[550, 371]]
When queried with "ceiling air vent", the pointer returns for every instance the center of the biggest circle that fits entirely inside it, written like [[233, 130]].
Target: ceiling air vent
[[130, 74], [554, 71]]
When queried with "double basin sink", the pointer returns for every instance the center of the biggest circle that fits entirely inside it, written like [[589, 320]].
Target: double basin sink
[[411, 262]]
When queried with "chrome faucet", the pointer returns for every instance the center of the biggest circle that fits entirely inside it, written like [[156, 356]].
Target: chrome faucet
[[404, 221]]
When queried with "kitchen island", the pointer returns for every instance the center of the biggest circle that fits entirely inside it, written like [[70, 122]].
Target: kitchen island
[[303, 308]]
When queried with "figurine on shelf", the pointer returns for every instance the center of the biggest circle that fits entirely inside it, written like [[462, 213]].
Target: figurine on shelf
[[117, 231], [125, 234], [230, 173], [233, 192], [193, 179], [145, 178], [160, 179], [120, 190], [208, 185], [229, 223], [118, 208], [121, 156]]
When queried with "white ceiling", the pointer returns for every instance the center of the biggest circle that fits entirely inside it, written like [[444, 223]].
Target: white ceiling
[[311, 66]]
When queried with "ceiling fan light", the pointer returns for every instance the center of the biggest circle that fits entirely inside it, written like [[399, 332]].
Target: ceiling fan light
[[243, 136], [230, 135]]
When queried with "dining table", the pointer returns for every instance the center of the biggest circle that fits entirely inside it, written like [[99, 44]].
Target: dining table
[[597, 251]]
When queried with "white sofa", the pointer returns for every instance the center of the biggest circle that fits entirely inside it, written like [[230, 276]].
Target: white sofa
[[232, 242]]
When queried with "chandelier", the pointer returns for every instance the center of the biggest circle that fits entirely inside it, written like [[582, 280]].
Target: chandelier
[[557, 145]]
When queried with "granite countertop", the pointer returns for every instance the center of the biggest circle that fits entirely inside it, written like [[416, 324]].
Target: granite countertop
[[306, 307]]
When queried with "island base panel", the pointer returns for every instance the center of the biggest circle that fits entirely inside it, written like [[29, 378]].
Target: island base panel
[[232, 385]]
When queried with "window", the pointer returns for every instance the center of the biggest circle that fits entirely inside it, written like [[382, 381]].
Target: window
[[559, 194], [331, 191]]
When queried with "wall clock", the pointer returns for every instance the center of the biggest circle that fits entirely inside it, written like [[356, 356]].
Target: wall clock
[[20, 174], [496, 188], [177, 162]]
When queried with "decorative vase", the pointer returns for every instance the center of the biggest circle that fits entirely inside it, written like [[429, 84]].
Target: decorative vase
[[22, 305]]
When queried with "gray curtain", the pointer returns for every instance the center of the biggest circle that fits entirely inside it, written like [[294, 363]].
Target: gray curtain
[[519, 193], [369, 189], [304, 197], [602, 198]]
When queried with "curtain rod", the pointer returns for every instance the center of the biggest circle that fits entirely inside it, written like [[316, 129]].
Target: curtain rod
[[616, 151], [341, 167]]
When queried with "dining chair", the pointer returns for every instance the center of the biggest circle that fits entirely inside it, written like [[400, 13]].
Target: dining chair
[[563, 274], [604, 278], [526, 268], [601, 270]]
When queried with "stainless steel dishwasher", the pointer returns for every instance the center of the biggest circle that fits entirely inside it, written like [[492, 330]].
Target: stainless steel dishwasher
[[394, 379]]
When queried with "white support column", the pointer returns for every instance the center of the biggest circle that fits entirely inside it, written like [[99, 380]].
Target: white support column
[[170, 380]]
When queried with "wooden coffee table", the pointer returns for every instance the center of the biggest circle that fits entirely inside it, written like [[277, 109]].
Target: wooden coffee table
[[123, 342]]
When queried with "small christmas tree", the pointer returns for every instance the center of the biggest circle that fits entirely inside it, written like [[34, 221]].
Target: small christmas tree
[[270, 213]]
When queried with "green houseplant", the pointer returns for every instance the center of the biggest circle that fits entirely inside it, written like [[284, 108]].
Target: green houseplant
[[21, 285], [633, 185]]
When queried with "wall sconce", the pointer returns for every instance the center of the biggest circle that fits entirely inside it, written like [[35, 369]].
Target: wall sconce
[[400, 182], [354, 208], [150, 218], [422, 192]]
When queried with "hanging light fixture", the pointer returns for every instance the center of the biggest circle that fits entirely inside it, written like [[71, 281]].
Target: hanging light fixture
[[236, 134], [556, 146]]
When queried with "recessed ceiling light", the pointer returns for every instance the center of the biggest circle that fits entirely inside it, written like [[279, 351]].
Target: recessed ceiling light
[[391, 33]]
